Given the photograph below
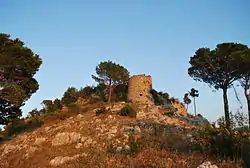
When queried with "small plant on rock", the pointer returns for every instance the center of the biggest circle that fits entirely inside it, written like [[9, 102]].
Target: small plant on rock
[[101, 110], [127, 110], [135, 145], [73, 108]]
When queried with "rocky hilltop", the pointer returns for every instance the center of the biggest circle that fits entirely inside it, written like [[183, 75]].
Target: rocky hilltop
[[99, 136]]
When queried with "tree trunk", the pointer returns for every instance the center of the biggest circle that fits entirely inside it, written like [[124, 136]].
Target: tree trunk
[[226, 109], [247, 95], [248, 105], [110, 91], [194, 107]]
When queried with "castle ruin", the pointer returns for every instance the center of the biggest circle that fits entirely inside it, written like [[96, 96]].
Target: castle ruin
[[139, 87]]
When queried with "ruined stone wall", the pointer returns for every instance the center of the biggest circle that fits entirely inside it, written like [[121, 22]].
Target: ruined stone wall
[[139, 87]]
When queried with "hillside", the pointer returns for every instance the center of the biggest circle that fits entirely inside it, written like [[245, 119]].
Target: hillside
[[84, 139]]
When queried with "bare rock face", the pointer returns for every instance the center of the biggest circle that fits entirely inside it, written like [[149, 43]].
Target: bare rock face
[[207, 165], [152, 113], [181, 110], [9, 149], [57, 161], [66, 138], [30, 151], [39, 141]]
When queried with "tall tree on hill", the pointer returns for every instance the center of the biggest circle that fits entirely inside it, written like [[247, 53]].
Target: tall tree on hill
[[110, 73], [218, 67], [18, 65], [186, 99], [194, 93], [245, 80]]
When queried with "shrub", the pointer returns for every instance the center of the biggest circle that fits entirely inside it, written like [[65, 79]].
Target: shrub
[[135, 146], [69, 96], [101, 110], [73, 107], [95, 99], [224, 143], [34, 123], [120, 92], [19, 125], [127, 110], [62, 116], [86, 92], [157, 97], [238, 120], [99, 90]]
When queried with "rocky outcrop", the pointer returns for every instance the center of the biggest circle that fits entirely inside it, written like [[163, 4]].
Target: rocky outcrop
[[181, 110], [65, 138], [60, 160], [207, 165], [152, 113]]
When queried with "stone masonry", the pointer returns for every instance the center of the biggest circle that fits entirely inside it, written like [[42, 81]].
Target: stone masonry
[[139, 87]]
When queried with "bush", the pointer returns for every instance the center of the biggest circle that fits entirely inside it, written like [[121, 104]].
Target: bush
[[225, 144], [135, 146], [72, 107], [86, 92], [158, 100], [101, 110], [127, 110], [95, 99], [61, 116], [18, 126], [33, 124], [120, 92]]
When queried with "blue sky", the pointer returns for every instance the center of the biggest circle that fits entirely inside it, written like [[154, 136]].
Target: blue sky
[[155, 37]]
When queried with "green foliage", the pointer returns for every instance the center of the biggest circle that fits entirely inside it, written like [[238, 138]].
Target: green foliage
[[34, 113], [101, 110], [237, 120], [219, 68], [86, 92], [194, 93], [99, 90], [18, 67], [8, 112], [93, 93], [223, 143], [70, 96], [57, 104], [51, 106], [163, 99], [127, 110], [186, 99], [120, 92], [74, 108], [19, 125], [110, 73], [135, 146], [48, 105], [157, 97], [245, 80]]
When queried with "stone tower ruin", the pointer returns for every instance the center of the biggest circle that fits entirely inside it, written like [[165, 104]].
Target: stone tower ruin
[[139, 87]]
